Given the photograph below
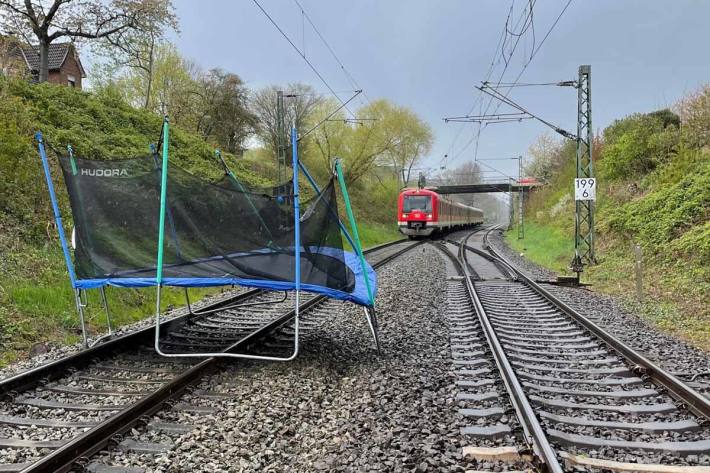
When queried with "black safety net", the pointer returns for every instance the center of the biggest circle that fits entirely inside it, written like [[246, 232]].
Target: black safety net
[[215, 231]]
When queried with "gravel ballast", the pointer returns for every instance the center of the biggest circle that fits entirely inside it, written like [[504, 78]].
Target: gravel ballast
[[340, 406], [57, 351]]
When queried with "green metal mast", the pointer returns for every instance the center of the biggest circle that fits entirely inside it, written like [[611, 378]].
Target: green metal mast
[[521, 201], [584, 209]]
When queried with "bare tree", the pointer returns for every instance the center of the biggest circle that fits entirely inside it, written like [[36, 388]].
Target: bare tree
[[44, 21], [300, 103], [10, 63]]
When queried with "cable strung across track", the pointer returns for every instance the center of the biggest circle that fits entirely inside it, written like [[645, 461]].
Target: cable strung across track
[[581, 395], [87, 401]]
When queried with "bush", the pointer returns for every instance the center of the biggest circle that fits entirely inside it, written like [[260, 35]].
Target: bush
[[98, 126], [637, 144], [665, 214]]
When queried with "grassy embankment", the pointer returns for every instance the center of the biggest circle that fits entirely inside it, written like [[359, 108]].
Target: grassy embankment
[[654, 191], [36, 300]]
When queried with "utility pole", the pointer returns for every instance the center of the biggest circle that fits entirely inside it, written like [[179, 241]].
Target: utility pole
[[511, 205], [584, 209], [281, 143], [521, 201]]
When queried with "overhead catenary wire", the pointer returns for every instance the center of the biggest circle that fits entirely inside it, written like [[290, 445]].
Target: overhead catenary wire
[[475, 102], [330, 115], [479, 100], [525, 66], [303, 55], [347, 73], [534, 53], [494, 93], [528, 84]]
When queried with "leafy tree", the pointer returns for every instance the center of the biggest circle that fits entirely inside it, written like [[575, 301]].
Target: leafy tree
[[390, 135], [135, 48], [43, 21], [224, 114], [213, 103], [413, 140]]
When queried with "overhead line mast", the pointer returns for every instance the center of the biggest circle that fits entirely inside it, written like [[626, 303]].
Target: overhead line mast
[[584, 209]]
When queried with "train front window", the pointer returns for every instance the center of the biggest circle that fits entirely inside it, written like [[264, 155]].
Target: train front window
[[417, 202]]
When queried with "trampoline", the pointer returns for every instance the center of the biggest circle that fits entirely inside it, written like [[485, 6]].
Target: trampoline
[[145, 221]]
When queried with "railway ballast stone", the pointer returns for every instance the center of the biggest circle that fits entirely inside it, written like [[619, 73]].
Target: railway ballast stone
[[339, 406]]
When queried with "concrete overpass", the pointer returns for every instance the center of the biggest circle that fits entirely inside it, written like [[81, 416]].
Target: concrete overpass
[[484, 187]]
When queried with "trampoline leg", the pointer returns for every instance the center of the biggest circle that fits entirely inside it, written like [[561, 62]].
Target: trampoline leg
[[187, 300], [80, 308], [108, 314], [109, 335], [372, 322]]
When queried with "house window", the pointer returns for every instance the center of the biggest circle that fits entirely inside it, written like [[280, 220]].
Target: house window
[[71, 80]]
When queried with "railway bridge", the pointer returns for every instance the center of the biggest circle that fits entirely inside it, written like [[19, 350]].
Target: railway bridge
[[523, 185]]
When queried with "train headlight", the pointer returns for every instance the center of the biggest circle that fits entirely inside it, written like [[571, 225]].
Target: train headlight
[[404, 215], [428, 216]]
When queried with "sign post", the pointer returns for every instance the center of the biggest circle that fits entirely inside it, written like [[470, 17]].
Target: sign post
[[585, 189]]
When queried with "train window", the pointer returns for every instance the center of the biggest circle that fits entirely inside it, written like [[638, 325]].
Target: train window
[[417, 202]]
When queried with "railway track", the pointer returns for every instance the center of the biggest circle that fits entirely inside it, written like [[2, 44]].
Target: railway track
[[55, 417], [583, 400]]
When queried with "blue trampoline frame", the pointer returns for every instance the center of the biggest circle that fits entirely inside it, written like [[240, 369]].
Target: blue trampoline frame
[[361, 295]]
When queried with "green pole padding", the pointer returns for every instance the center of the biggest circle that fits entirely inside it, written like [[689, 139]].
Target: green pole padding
[[74, 170], [163, 203], [353, 227], [231, 175]]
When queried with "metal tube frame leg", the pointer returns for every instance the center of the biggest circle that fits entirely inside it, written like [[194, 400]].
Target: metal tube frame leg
[[222, 354], [108, 314], [80, 308], [109, 335], [374, 328]]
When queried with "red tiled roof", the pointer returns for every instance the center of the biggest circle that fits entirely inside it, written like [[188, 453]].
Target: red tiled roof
[[58, 53]]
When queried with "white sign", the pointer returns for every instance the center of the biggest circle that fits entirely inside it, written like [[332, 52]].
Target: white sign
[[585, 189]]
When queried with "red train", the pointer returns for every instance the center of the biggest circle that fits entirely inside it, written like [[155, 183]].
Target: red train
[[423, 211]]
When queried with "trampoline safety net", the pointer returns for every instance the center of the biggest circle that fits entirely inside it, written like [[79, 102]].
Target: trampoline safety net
[[216, 233]]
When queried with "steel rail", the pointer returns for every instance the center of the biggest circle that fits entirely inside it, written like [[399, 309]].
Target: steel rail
[[533, 431], [56, 369], [696, 402], [502, 267], [64, 458]]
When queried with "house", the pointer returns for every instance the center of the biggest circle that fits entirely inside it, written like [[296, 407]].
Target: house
[[65, 66]]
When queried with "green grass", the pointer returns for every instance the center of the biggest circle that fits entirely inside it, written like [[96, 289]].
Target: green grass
[[547, 246], [37, 303], [674, 297], [373, 233]]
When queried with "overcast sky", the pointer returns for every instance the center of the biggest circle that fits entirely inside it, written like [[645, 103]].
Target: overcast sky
[[428, 55]]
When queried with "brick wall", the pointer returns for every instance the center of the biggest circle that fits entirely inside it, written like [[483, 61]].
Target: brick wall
[[69, 68]]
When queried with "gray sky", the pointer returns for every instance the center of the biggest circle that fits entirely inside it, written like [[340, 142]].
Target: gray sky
[[428, 55]]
